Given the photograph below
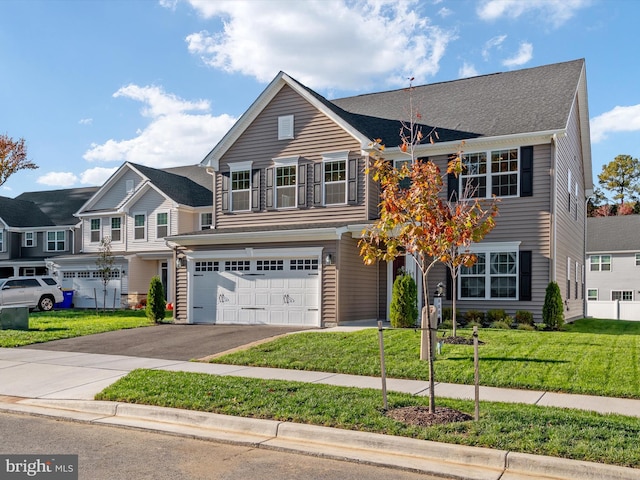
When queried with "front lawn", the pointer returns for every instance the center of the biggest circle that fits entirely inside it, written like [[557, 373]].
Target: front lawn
[[47, 326], [598, 357], [611, 439]]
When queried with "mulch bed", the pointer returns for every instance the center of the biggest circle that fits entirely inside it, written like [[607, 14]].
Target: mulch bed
[[459, 341], [420, 416]]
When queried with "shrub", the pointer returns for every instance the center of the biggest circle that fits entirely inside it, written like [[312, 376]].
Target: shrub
[[475, 324], [526, 326], [501, 324], [155, 300], [446, 325], [447, 314], [553, 309], [404, 302], [524, 317], [497, 315], [474, 316]]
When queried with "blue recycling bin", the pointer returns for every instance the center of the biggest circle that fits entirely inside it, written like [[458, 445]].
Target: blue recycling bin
[[67, 302]]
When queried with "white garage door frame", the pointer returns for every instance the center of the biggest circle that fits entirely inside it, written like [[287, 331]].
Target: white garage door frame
[[305, 288]]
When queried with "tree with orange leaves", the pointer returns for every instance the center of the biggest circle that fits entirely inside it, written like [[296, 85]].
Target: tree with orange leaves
[[13, 157], [419, 221]]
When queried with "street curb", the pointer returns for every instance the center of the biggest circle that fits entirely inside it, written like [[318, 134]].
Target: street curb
[[435, 458]]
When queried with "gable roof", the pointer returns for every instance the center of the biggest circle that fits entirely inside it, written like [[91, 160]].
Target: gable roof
[[22, 214], [619, 233], [60, 205], [533, 101], [179, 188]]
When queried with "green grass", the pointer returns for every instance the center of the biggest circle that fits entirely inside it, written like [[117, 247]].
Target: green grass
[[574, 434], [598, 357], [47, 326]]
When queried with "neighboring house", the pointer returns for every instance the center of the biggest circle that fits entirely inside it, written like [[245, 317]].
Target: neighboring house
[[36, 226], [292, 197], [135, 210], [613, 267]]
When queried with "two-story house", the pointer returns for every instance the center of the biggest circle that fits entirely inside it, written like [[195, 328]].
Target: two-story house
[[292, 197], [613, 267], [38, 225], [133, 212]]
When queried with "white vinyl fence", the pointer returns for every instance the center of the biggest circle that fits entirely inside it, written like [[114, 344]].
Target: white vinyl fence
[[615, 310]]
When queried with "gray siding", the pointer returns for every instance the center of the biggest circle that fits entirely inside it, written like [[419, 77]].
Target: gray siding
[[570, 218], [314, 135], [624, 276], [112, 197]]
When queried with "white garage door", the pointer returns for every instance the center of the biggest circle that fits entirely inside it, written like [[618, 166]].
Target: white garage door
[[87, 287], [275, 292]]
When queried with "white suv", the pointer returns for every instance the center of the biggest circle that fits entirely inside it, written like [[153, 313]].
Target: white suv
[[41, 292]]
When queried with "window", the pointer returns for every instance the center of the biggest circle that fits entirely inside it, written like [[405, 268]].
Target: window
[[637, 259], [1, 241], [241, 190], [624, 296], [592, 294], [56, 241], [129, 186], [286, 186], [116, 229], [207, 267], [162, 224], [29, 239], [335, 182], [139, 226], [600, 263], [95, 230], [499, 176], [568, 278], [285, 127], [237, 265], [206, 220], [405, 183], [303, 264], [493, 276], [263, 265]]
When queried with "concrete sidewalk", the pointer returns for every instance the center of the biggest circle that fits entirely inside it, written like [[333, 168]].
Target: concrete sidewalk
[[65, 383]]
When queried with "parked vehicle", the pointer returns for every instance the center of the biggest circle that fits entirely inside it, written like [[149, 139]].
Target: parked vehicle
[[35, 292]]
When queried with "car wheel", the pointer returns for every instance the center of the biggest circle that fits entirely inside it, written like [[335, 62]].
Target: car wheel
[[46, 303]]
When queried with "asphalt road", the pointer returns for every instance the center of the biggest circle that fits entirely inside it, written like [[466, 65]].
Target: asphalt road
[[168, 341], [108, 453]]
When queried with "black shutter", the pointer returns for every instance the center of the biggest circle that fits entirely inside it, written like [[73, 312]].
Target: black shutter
[[525, 275], [352, 181], [317, 184], [302, 185], [453, 184], [448, 285], [225, 191], [526, 171], [269, 188], [255, 190]]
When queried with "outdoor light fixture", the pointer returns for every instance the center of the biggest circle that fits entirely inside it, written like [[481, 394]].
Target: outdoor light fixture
[[439, 289], [181, 262], [328, 259]]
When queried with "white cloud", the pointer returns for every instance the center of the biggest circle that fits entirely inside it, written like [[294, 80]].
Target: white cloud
[[58, 179], [375, 38], [620, 119], [555, 11], [445, 12], [525, 53], [467, 70], [174, 136], [86, 121], [97, 175], [495, 42]]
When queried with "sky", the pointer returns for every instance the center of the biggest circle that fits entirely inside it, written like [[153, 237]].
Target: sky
[[91, 84]]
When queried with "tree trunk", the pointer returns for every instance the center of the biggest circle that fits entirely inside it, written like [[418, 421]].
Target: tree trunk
[[453, 300]]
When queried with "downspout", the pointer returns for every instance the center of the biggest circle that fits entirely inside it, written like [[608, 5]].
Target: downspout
[[214, 221], [554, 200]]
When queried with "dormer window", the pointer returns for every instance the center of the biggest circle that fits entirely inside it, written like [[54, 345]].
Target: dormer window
[[285, 127], [29, 239]]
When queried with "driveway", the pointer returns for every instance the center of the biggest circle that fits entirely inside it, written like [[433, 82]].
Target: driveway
[[170, 342]]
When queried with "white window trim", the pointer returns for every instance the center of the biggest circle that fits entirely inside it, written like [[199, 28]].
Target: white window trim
[[235, 168], [111, 230], [589, 290], [204, 226], [129, 186], [600, 263], [55, 249], [91, 230], [330, 157], [488, 249], [2, 240], [285, 127], [285, 162], [34, 240], [489, 175], [637, 259], [622, 292], [135, 214], [168, 224]]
